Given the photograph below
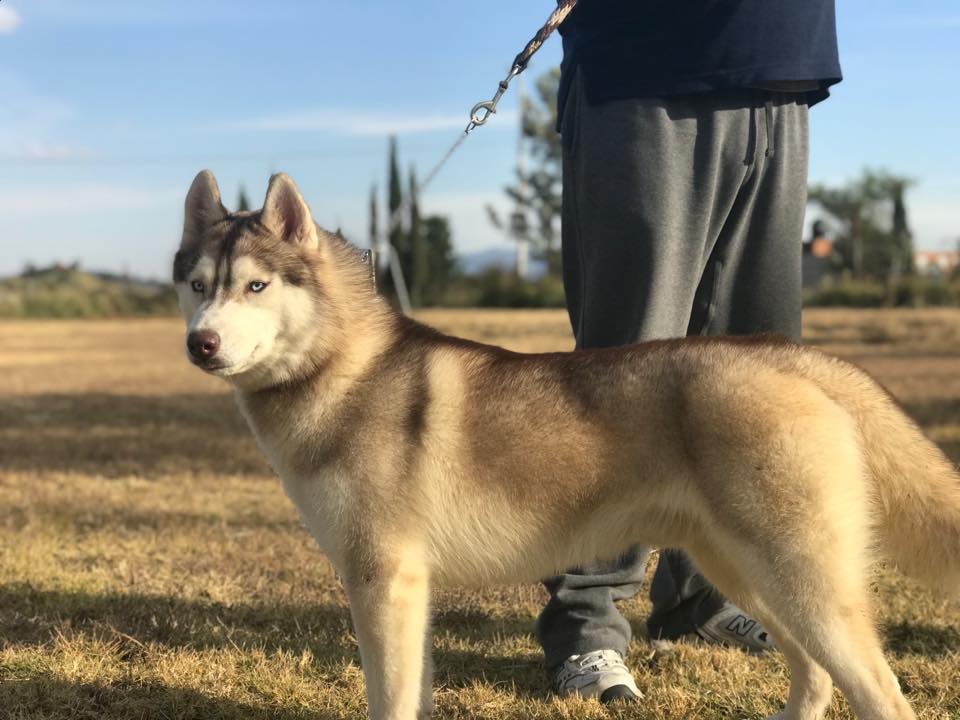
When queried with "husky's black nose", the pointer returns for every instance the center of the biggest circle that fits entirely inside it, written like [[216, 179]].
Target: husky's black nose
[[203, 344]]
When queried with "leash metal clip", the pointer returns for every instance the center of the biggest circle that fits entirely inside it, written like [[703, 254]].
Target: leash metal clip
[[482, 111]]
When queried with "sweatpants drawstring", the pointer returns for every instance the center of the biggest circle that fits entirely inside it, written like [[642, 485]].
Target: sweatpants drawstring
[[768, 111]]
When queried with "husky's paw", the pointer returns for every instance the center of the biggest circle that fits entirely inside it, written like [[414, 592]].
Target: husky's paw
[[426, 709], [803, 714]]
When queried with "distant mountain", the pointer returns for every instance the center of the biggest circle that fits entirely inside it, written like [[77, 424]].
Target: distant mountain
[[67, 291], [502, 257]]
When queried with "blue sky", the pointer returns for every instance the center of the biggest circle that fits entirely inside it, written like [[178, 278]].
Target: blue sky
[[109, 108]]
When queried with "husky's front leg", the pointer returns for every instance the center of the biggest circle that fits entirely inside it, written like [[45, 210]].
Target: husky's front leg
[[390, 609]]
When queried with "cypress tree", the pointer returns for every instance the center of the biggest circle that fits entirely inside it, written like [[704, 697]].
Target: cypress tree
[[243, 202], [374, 220], [395, 231], [441, 263]]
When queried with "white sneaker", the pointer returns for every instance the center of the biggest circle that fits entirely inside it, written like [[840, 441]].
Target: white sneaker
[[732, 626], [599, 674]]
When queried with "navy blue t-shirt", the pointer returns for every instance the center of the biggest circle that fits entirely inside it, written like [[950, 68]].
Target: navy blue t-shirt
[[648, 48]]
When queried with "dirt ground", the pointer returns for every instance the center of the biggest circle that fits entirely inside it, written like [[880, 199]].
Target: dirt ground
[[151, 566]]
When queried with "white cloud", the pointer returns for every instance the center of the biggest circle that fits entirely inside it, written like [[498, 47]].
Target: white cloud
[[108, 11], [42, 151], [361, 124], [32, 124], [928, 21], [82, 198], [9, 20], [180, 12]]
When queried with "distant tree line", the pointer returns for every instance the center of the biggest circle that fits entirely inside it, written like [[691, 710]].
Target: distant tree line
[[65, 291], [424, 244], [872, 244], [536, 194], [872, 238]]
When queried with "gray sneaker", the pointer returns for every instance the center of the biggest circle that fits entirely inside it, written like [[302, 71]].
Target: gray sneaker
[[732, 626], [598, 674]]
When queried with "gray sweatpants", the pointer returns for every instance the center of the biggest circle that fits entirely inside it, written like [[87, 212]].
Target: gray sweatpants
[[681, 215]]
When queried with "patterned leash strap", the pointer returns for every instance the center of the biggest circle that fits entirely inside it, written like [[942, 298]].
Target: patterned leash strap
[[482, 111], [553, 22]]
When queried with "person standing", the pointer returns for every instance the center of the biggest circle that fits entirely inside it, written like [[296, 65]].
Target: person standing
[[684, 134]]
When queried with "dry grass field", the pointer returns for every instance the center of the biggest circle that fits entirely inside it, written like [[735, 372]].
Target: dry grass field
[[151, 567]]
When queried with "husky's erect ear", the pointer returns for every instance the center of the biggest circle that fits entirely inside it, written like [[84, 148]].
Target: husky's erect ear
[[286, 214], [203, 207]]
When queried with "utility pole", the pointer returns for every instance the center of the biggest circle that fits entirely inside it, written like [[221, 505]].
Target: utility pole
[[523, 245]]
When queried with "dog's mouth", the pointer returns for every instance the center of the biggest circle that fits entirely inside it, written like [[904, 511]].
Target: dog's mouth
[[211, 366], [216, 366]]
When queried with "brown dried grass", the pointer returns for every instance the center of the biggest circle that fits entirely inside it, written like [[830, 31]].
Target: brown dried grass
[[151, 567]]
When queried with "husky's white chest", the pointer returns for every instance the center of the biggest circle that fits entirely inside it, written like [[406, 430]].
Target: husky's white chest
[[319, 494], [322, 505]]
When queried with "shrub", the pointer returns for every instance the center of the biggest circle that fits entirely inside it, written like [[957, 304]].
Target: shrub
[[498, 287], [913, 291], [847, 293], [74, 294]]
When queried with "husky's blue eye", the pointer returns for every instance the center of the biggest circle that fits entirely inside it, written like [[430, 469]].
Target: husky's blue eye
[[257, 286], [197, 285]]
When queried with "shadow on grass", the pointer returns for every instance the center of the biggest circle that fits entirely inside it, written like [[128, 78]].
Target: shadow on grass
[[116, 435], [937, 412], [89, 517], [921, 639], [522, 675], [31, 617], [131, 623], [474, 625], [934, 411], [53, 698]]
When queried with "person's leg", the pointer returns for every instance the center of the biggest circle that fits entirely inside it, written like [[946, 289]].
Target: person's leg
[[644, 181], [752, 286], [580, 616], [682, 598], [759, 289]]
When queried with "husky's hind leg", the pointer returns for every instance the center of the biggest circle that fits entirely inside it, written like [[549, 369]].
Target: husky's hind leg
[[389, 606], [833, 626], [810, 685], [818, 596], [426, 679], [818, 615], [811, 688], [790, 505]]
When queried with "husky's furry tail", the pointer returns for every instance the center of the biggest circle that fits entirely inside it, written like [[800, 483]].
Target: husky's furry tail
[[916, 489], [918, 492]]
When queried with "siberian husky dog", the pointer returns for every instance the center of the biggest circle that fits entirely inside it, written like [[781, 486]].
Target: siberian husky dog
[[417, 458]]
